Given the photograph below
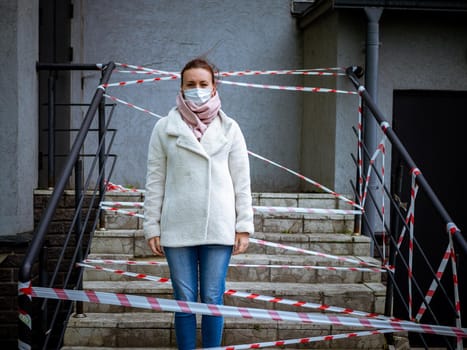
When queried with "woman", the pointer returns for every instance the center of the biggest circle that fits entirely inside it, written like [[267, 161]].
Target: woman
[[198, 206]]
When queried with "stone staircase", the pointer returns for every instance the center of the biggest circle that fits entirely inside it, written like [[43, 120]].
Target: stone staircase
[[118, 327]]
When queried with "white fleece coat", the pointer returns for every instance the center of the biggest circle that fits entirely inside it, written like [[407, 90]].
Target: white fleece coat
[[197, 192]]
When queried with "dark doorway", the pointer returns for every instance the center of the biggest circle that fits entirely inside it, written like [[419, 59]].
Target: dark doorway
[[431, 125], [54, 47]]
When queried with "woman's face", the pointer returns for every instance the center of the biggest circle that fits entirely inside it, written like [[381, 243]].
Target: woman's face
[[198, 78]]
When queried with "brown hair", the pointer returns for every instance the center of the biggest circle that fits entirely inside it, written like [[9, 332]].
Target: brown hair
[[200, 63]]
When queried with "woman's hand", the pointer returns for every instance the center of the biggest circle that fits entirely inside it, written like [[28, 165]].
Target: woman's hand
[[241, 242], [155, 245]]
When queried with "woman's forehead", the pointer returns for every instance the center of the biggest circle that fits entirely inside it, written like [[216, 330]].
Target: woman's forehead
[[197, 74]]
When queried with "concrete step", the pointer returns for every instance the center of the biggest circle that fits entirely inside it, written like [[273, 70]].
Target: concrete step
[[300, 200], [155, 330], [132, 243], [282, 271], [367, 297], [284, 223]]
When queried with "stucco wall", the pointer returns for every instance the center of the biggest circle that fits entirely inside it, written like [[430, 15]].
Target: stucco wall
[[18, 114], [164, 34], [333, 40], [418, 50], [432, 56]]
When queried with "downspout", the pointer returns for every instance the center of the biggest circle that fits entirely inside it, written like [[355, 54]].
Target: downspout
[[370, 126]]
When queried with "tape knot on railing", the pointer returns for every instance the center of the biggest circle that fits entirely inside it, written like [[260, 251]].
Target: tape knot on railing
[[384, 126], [452, 228], [415, 171]]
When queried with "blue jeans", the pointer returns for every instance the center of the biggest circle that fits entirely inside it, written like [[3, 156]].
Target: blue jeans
[[207, 264]]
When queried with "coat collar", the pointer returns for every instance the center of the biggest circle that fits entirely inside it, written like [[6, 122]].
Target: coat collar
[[212, 141]]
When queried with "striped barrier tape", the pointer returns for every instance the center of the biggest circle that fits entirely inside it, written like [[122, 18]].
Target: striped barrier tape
[[123, 212], [265, 243], [127, 273], [235, 83], [136, 82], [318, 185], [311, 252], [318, 72], [139, 205], [111, 187], [281, 343], [170, 305], [286, 267], [144, 110], [270, 244], [434, 284], [149, 70], [287, 88], [251, 296], [256, 208], [131, 105], [114, 187], [173, 75]]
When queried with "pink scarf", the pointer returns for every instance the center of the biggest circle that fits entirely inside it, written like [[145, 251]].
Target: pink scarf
[[198, 118]]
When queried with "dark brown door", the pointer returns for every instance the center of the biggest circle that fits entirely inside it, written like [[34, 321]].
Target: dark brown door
[[431, 125]]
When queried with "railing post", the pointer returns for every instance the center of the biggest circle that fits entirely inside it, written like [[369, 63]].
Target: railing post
[[78, 228], [43, 281], [51, 130], [102, 151]]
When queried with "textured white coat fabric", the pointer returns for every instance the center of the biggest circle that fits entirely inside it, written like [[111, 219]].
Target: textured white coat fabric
[[197, 192]]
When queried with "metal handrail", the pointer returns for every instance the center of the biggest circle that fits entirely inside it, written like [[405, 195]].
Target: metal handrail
[[391, 135], [25, 331], [353, 73]]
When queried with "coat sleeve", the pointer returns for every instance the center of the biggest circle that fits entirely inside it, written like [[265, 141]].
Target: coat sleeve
[[240, 172], [155, 184]]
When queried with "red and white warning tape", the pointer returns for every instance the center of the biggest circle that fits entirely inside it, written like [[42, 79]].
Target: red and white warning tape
[[139, 205], [257, 209], [311, 252], [131, 105], [252, 296], [145, 69], [318, 185], [318, 71], [169, 305], [111, 187], [434, 284], [173, 76], [136, 82], [287, 88], [281, 343], [123, 212], [126, 273], [260, 266], [271, 244]]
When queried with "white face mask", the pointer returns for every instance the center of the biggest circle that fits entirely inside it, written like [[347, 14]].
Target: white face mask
[[197, 96]]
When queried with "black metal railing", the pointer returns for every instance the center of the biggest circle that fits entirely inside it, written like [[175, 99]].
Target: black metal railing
[[399, 302], [42, 325]]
